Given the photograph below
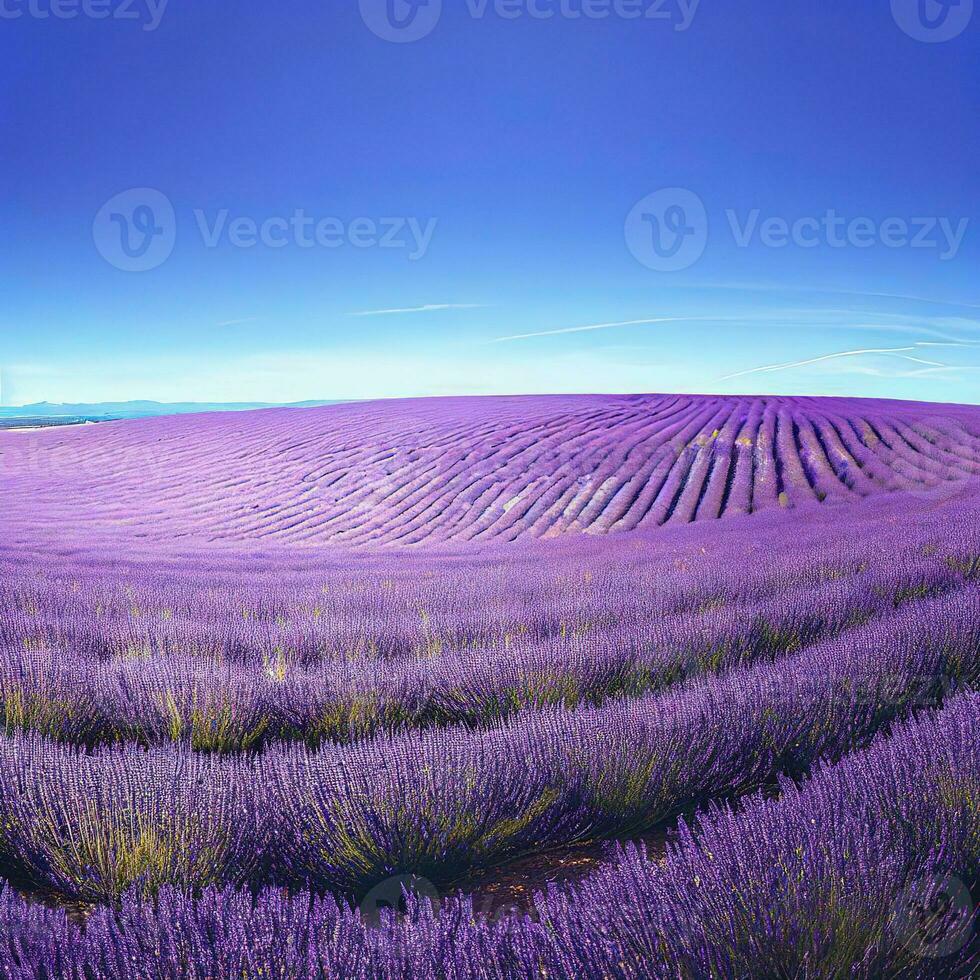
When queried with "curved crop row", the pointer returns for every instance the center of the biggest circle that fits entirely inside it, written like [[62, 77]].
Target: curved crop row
[[863, 872]]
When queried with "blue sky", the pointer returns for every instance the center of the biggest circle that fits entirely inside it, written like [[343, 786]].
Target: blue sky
[[483, 194]]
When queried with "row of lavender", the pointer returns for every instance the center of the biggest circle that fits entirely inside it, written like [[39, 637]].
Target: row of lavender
[[230, 707], [311, 607], [90, 826], [866, 871], [448, 660]]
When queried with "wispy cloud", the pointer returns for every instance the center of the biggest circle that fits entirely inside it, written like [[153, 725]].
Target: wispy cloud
[[892, 328], [951, 373], [802, 317], [428, 308], [772, 287], [914, 299], [905, 353], [235, 323]]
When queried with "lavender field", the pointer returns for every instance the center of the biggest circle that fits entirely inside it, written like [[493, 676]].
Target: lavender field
[[564, 686]]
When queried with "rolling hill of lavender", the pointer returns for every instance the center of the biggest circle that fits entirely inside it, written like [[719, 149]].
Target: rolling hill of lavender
[[511, 687]]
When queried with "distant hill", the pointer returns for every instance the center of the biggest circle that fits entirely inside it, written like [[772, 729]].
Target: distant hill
[[139, 409], [483, 469]]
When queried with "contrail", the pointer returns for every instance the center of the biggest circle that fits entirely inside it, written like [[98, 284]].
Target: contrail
[[606, 326], [428, 308], [948, 343]]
